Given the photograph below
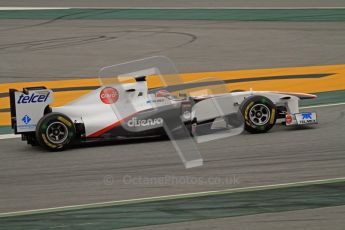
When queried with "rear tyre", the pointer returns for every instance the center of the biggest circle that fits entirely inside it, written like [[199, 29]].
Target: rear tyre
[[55, 131], [259, 114]]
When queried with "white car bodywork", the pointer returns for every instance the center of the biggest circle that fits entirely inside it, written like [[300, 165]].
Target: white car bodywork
[[132, 98]]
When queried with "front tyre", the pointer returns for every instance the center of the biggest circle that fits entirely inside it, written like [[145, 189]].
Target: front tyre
[[55, 131], [259, 114]]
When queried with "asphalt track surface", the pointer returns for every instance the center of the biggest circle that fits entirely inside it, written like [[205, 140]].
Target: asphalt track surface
[[64, 49], [31, 178]]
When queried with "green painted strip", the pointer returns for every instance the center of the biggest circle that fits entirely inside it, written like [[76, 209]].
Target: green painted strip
[[171, 197], [187, 209], [182, 14], [325, 98], [5, 130]]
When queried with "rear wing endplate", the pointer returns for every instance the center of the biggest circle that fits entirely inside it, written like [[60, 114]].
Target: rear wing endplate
[[27, 107]]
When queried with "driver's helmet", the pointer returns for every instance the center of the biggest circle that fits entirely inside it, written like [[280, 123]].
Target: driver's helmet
[[163, 93]]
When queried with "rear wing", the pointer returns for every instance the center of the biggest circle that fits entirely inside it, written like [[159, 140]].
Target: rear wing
[[28, 107]]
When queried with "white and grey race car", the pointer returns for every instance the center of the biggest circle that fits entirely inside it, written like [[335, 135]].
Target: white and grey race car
[[132, 110]]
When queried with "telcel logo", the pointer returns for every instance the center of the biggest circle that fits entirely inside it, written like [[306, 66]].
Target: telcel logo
[[34, 98], [134, 122]]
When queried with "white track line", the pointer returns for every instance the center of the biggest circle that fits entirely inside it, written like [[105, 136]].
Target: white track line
[[11, 136], [176, 196], [8, 136]]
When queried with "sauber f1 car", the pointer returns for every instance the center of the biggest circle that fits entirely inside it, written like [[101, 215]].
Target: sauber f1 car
[[131, 110]]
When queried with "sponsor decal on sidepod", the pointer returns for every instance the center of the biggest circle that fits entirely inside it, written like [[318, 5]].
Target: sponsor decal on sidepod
[[134, 122]]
